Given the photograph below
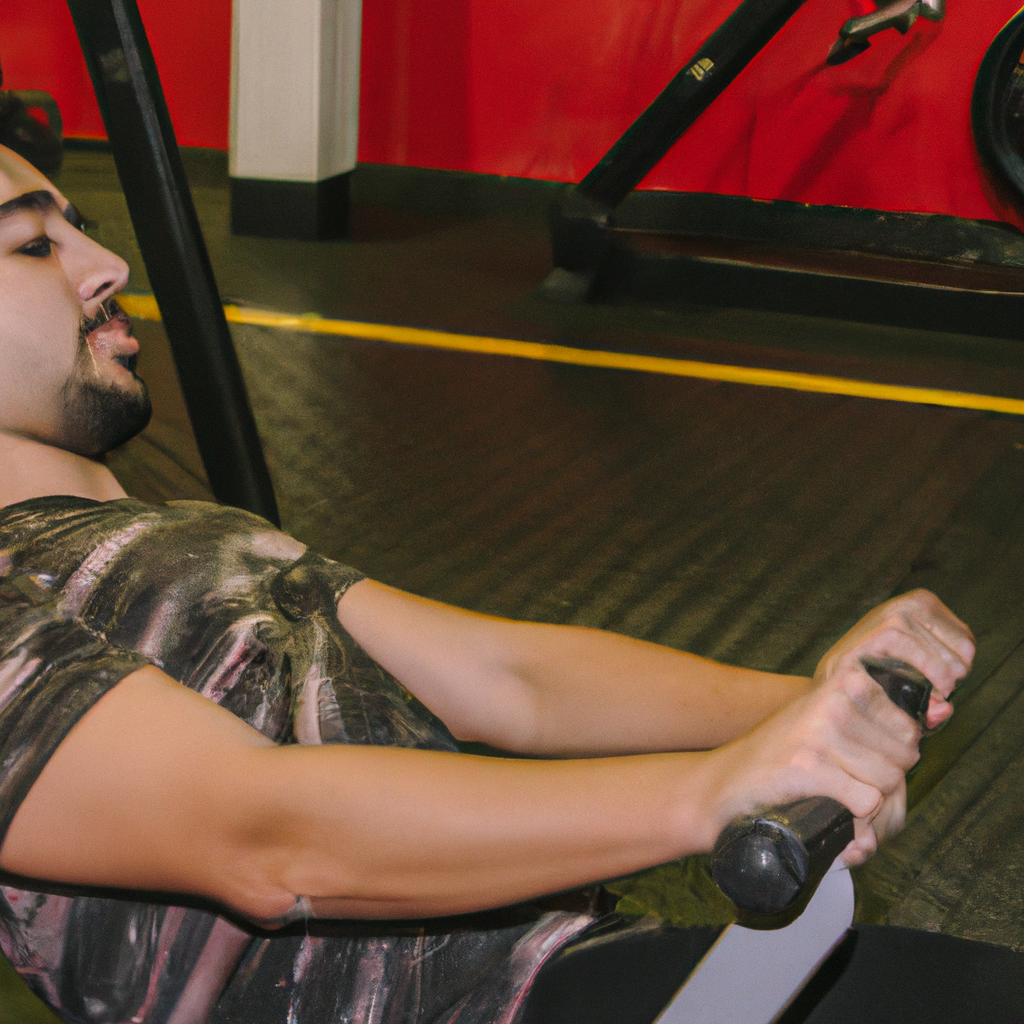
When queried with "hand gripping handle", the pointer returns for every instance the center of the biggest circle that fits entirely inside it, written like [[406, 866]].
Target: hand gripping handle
[[766, 862]]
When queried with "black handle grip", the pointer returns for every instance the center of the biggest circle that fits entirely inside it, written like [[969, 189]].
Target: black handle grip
[[766, 862]]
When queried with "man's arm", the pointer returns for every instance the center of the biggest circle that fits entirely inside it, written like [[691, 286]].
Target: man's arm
[[555, 691], [159, 788]]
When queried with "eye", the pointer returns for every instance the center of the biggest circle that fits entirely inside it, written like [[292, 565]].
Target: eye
[[39, 248]]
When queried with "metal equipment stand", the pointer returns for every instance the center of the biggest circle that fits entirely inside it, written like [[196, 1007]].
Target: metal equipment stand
[[581, 222]]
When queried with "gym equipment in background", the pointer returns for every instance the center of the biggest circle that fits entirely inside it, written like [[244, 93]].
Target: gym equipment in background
[[906, 269], [997, 106], [42, 145], [582, 219], [854, 36]]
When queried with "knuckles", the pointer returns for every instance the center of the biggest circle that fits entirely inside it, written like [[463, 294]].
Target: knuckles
[[922, 604], [858, 689], [864, 801], [907, 733], [897, 623]]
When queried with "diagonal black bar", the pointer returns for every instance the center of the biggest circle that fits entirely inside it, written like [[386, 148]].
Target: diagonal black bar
[[153, 179], [727, 52]]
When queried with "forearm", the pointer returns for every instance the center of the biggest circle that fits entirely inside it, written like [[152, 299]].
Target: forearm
[[157, 788], [600, 693], [380, 833]]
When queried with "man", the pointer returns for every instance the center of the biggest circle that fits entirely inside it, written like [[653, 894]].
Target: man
[[325, 785]]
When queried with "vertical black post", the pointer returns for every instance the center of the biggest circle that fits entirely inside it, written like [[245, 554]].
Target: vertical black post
[[149, 165]]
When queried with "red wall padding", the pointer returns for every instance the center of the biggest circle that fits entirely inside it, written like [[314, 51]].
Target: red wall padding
[[191, 41], [541, 88]]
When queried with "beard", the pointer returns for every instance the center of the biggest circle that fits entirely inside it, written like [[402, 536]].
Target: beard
[[98, 416]]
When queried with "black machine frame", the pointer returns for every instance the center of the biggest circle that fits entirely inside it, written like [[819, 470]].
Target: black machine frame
[[153, 179]]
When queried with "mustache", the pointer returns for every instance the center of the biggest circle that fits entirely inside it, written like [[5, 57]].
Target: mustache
[[109, 310]]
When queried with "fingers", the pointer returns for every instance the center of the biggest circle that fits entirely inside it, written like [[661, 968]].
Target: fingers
[[872, 721], [919, 629], [880, 744], [870, 831], [826, 778], [845, 738], [855, 745], [949, 630], [939, 711]]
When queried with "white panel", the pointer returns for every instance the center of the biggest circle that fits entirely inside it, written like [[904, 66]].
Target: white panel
[[341, 35], [750, 976], [295, 88]]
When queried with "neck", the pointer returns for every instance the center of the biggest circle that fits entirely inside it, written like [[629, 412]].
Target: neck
[[32, 469]]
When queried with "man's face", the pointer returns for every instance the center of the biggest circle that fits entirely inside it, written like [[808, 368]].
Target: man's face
[[67, 354]]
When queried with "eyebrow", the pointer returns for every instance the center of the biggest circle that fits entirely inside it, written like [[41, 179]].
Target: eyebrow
[[40, 201]]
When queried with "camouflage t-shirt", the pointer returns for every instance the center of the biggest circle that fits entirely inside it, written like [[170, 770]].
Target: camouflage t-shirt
[[246, 616]]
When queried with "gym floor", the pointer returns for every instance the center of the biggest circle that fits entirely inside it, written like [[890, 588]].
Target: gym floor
[[745, 523]]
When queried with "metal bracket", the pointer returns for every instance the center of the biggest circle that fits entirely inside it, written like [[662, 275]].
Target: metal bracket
[[901, 15]]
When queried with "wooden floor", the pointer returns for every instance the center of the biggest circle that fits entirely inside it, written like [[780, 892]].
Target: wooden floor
[[747, 524]]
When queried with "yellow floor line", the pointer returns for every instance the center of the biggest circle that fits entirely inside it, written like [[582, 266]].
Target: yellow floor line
[[145, 307]]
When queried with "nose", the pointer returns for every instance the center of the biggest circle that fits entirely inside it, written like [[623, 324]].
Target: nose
[[96, 273]]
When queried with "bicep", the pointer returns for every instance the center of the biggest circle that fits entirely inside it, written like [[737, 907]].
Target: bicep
[[151, 789], [460, 664]]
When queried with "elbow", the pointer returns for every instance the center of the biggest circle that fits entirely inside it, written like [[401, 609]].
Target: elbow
[[248, 861], [250, 890], [512, 720]]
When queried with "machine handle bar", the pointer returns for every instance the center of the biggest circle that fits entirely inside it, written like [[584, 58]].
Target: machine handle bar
[[766, 863]]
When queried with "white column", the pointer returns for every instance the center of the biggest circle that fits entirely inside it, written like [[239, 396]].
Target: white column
[[294, 89]]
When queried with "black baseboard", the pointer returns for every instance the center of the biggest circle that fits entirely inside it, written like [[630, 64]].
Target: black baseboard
[[312, 211], [461, 195], [86, 145]]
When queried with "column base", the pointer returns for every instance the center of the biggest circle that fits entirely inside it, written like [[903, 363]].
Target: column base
[[311, 211]]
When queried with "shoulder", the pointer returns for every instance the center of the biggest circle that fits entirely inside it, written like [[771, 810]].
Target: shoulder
[[58, 532]]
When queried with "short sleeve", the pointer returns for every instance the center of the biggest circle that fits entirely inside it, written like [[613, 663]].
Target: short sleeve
[[52, 671], [313, 584]]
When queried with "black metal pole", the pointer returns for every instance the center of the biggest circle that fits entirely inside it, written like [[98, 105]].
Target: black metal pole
[[149, 165], [581, 217], [727, 52]]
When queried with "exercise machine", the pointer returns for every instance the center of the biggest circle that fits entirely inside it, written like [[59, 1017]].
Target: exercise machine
[[795, 901]]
